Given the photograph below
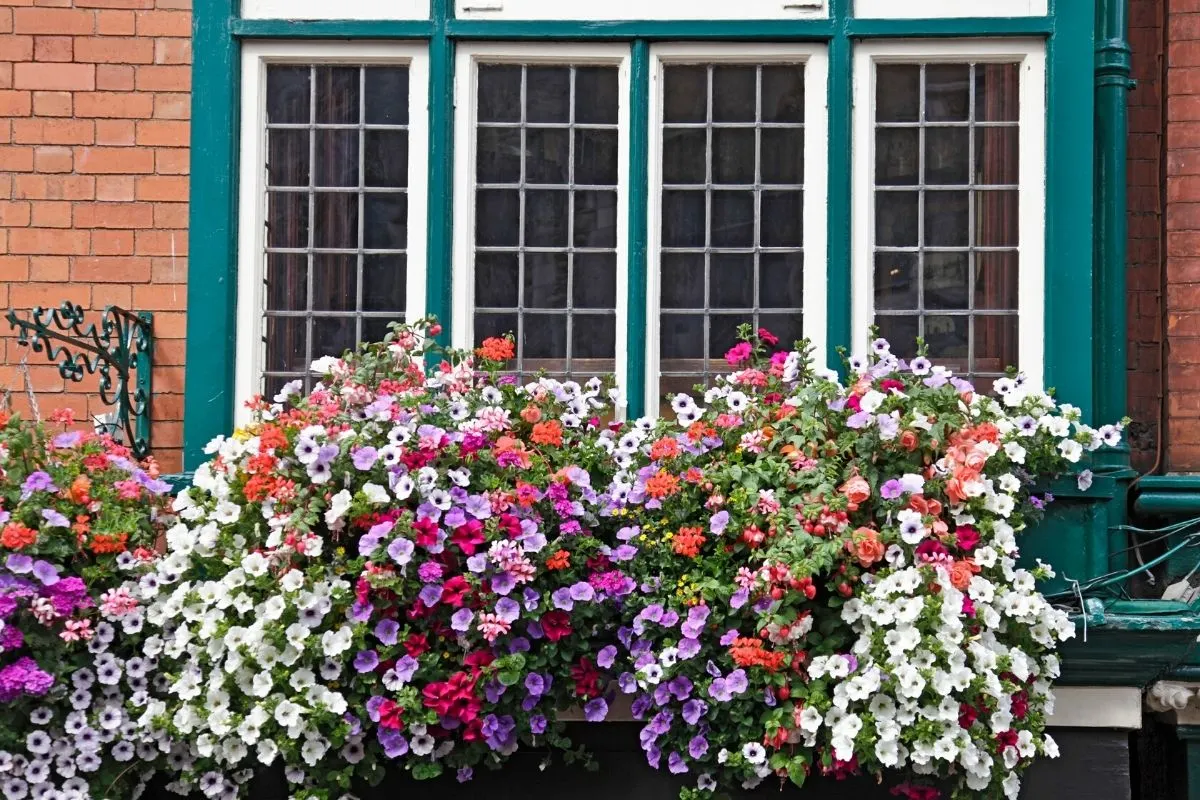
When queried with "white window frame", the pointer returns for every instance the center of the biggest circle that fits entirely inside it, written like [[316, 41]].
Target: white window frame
[[640, 9], [1031, 246], [342, 9], [466, 82], [932, 9], [256, 56], [816, 183]]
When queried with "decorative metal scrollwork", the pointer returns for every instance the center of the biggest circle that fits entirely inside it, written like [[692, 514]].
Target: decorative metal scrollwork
[[120, 350]]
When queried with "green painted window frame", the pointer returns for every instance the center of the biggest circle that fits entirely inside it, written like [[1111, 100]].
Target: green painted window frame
[[1069, 32]]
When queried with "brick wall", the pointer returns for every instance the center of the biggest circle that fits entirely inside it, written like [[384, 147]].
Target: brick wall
[[94, 112], [1183, 236]]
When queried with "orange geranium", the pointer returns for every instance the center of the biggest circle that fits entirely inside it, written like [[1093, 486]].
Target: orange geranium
[[548, 433], [560, 560], [80, 490], [688, 541], [495, 348], [16, 536], [747, 652], [666, 447], [662, 484], [109, 542]]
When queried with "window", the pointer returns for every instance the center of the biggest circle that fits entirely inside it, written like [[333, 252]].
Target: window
[[924, 9], [343, 9], [635, 10], [737, 229], [333, 206], [540, 218], [949, 202]]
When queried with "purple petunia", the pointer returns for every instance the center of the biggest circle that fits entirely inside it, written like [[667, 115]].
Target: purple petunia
[[461, 620], [387, 631], [38, 481], [595, 710], [364, 458], [698, 746], [606, 656], [891, 489], [719, 522], [366, 661]]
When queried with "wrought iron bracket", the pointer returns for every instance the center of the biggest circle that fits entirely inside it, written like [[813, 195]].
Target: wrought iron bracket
[[120, 350]]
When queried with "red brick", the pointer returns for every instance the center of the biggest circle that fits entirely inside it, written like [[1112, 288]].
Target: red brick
[[52, 104], [164, 23], [52, 48], [64, 77], [172, 51], [14, 214], [53, 131], [160, 298], [52, 159], [29, 295], [51, 214], [114, 77], [114, 3], [161, 243], [49, 268], [115, 294], [111, 269], [115, 132], [114, 215], [168, 270], [161, 187], [112, 243], [114, 160], [115, 23], [15, 103], [75, 22], [114, 50], [16, 159], [162, 133], [171, 215], [115, 188], [54, 187], [14, 268], [16, 48], [120, 105], [47, 241], [162, 78], [172, 106], [171, 162]]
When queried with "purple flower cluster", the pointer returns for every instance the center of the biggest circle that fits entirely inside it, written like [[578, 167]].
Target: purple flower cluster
[[24, 677]]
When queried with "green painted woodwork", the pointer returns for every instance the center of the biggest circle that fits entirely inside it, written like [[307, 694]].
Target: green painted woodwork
[[837, 273], [655, 30], [212, 273], [1129, 643], [335, 28], [440, 236], [1189, 737], [639, 172], [958, 27]]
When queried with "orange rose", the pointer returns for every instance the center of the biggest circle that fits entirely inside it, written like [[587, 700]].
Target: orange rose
[[864, 544], [908, 440], [954, 490], [856, 489], [961, 573], [531, 414], [975, 460]]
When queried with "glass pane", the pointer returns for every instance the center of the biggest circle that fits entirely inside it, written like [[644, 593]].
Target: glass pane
[[901, 333], [997, 218], [596, 95], [684, 156], [545, 336], [489, 325], [997, 156], [386, 280], [897, 219], [286, 344], [734, 93], [682, 280], [375, 328], [386, 95], [948, 339], [287, 219], [287, 158], [947, 156], [596, 161], [783, 93], [733, 219], [594, 336], [595, 219], [788, 327], [782, 156], [499, 93], [336, 155], [685, 94], [947, 92], [782, 219], [335, 223], [333, 336], [288, 94], [496, 280], [946, 281], [546, 218], [497, 218], [545, 280], [996, 343], [997, 92], [682, 336], [335, 282], [896, 281], [594, 281], [781, 280], [287, 281], [722, 335], [996, 281], [337, 95], [734, 155], [547, 155], [683, 219], [386, 221], [731, 279], [898, 93], [548, 94], [386, 162], [947, 219], [498, 155], [897, 157]]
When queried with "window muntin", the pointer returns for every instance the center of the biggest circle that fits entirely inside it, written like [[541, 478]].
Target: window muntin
[[949, 202], [330, 195], [540, 206], [737, 228], [638, 10]]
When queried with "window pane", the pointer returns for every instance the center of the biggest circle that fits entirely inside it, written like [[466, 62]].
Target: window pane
[[732, 206], [547, 159], [946, 247], [335, 246]]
